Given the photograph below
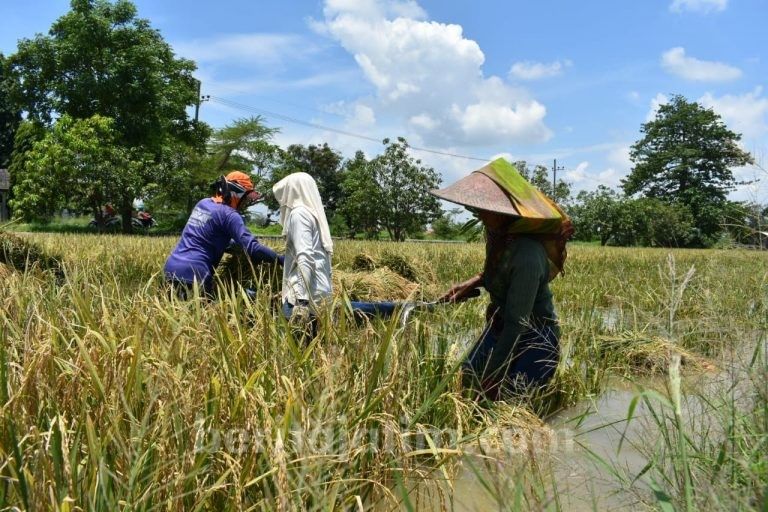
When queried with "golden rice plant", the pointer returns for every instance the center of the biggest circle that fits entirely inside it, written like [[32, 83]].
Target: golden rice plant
[[116, 396]]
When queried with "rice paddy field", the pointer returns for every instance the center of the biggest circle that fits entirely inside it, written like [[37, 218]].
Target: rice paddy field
[[117, 396]]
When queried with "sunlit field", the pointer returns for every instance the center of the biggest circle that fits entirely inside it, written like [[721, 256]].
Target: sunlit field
[[117, 396]]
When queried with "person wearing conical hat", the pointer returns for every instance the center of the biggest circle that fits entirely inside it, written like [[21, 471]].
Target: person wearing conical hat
[[525, 234], [213, 224]]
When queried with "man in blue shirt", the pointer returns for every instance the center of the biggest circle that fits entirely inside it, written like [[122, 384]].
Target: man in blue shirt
[[213, 223]]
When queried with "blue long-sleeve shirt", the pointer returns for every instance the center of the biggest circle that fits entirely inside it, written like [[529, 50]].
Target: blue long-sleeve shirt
[[209, 230]]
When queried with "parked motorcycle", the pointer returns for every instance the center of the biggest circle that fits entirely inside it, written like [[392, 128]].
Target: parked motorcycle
[[107, 223], [142, 220]]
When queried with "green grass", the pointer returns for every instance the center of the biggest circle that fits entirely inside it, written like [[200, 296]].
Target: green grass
[[116, 397]]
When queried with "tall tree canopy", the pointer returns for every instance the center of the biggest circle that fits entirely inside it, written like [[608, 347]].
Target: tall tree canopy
[[243, 145], [360, 208], [27, 134], [101, 60], [323, 163], [405, 205], [10, 115], [686, 155], [78, 165]]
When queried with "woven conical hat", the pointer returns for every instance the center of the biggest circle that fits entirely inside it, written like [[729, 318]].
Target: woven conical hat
[[478, 191]]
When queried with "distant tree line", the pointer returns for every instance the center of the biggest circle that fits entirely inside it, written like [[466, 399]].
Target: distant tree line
[[676, 193], [105, 104], [362, 196], [106, 122]]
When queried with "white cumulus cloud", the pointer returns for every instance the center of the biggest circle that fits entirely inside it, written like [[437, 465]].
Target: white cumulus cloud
[[578, 174], [746, 114], [701, 6], [529, 70], [619, 158], [428, 75], [423, 121], [491, 121], [676, 62], [657, 101], [372, 9]]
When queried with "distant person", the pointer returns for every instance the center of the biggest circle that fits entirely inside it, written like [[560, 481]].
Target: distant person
[[212, 225], [307, 283], [525, 248]]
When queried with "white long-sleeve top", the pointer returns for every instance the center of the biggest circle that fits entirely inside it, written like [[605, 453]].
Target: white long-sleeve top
[[307, 269]]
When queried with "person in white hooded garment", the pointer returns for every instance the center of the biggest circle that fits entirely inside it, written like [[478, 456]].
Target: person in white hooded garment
[[308, 251]]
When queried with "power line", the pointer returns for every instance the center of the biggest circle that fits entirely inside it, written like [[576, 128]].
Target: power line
[[268, 113], [289, 119]]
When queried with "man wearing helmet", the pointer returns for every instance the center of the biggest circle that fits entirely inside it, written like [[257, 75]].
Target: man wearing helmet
[[213, 223]]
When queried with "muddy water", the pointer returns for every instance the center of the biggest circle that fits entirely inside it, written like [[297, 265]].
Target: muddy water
[[587, 469], [565, 450], [577, 452]]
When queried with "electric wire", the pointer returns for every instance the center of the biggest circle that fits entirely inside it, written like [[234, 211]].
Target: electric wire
[[289, 119]]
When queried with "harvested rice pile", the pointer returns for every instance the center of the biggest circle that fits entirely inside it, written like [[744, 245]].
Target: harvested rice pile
[[396, 263], [363, 262], [515, 429], [652, 355], [21, 255], [376, 285]]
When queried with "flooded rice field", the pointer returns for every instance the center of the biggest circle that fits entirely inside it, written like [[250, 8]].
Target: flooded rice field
[[599, 454]]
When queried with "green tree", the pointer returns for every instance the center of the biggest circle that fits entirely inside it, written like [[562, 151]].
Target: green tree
[[27, 134], [660, 223], [686, 155], [360, 208], [614, 219], [539, 178], [595, 214], [406, 206], [243, 145], [445, 227], [10, 114], [101, 59], [323, 163], [78, 165]]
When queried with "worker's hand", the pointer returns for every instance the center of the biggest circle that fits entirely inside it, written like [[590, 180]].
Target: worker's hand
[[463, 291], [301, 323], [301, 316], [453, 294]]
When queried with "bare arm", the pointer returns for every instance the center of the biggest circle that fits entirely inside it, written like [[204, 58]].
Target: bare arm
[[463, 290]]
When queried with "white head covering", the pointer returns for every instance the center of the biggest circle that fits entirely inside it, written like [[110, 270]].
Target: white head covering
[[300, 189]]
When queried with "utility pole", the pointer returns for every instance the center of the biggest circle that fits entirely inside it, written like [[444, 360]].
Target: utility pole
[[555, 168], [199, 100]]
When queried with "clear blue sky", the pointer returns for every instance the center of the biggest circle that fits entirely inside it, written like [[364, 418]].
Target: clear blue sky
[[527, 80]]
